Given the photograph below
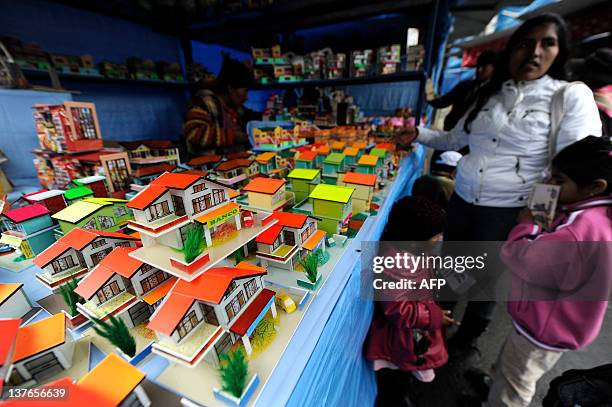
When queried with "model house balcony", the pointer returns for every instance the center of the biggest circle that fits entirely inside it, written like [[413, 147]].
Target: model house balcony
[[153, 159], [191, 349], [53, 281], [160, 225], [231, 181], [281, 253], [114, 306]]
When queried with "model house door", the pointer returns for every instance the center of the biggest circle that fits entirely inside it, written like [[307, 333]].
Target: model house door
[[140, 313], [209, 314], [179, 208], [44, 366], [289, 238]]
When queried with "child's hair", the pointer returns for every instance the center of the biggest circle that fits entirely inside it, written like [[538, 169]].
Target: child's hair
[[414, 218], [586, 160]]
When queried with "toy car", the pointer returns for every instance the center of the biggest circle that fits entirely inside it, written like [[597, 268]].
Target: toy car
[[285, 302], [248, 220], [5, 249]]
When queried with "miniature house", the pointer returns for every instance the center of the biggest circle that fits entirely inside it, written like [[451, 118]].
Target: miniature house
[[367, 164], [338, 146], [77, 252], [77, 193], [332, 205], [201, 319], [332, 166], [364, 185], [96, 183], [28, 229], [289, 240], [102, 387], [42, 349], [382, 154], [322, 153], [306, 159], [13, 301], [124, 287], [235, 173], [267, 194], [53, 200], [361, 147], [267, 162], [303, 182], [205, 162], [350, 154], [107, 214], [144, 175], [147, 152]]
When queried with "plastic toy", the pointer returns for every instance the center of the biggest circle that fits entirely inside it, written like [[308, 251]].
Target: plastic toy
[[108, 214], [266, 194], [285, 302], [28, 229], [364, 185]]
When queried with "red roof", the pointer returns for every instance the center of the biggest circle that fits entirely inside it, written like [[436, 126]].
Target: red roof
[[146, 197], [175, 180], [195, 172], [232, 164], [209, 287], [288, 219], [9, 328], [26, 213], [360, 179], [386, 146], [241, 154], [244, 322], [307, 155], [153, 169], [77, 239], [204, 159], [93, 281], [269, 235], [264, 185], [120, 262]]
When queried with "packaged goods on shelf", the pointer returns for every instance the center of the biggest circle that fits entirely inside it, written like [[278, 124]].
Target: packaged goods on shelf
[[142, 69], [389, 59]]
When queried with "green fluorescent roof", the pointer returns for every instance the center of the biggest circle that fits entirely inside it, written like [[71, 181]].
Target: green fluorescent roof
[[332, 193], [334, 158], [77, 192], [303, 173], [379, 152]]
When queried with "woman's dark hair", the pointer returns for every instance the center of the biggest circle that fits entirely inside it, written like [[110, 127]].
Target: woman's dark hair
[[586, 160], [235, 74], [502, 71], [414, 218]]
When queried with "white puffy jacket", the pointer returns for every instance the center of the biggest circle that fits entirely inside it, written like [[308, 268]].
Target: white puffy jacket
[[509, 140]]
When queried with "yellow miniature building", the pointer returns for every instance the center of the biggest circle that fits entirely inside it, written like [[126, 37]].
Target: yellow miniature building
[[267, 194], [364, 185]]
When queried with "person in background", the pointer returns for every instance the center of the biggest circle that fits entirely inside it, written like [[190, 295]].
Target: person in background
[[508, 131], [406, 337], [596, 71], [561, 279], [216, 118], [439, 185]]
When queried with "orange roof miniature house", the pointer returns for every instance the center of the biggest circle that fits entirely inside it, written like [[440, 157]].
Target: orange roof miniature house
[[233, 164], [361, 145], [306, 159], [338, 146], [364, 185], [267, 162], [350, 154], [267, 194], [235, 173], [205, 162]]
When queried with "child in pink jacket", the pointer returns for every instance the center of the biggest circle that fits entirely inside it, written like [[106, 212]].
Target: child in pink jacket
[[562, 277]]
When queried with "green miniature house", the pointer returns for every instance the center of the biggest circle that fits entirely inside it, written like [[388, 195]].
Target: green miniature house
[[381, 153], [367, 164], [75, 194], [332, 165], [332, 206], [108, 214], [267, 162], [306, 159], [350, 154], [303, 181]]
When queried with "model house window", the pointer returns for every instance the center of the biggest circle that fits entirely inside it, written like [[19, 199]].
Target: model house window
[[145, 268], [218, 196], [201, 204], [98, 243], [108, 291], [63, 263], [179, 208], [230, 289], [311, 228], [187, 324], [159, 210], [277, 196], [251, 287], [209, 314], [304, 235], [153, 281], [276, 243], [90, 225], [120, 211], [199, 188], [123, 244], [14, 226], [106, 222], [235, 305], [98, 256]]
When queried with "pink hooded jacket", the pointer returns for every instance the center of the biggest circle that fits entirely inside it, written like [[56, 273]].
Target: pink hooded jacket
[[560, 287]]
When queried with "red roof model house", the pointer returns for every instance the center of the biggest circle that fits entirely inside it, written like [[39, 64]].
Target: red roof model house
[[201, 319], [235, 173], [124, 287], [290, 239], [266, 194], [77, 252]]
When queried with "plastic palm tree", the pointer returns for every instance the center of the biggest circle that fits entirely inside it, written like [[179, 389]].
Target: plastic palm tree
[[193, 243], [117, 333], [311, 267], [234, 369], [70, 297]]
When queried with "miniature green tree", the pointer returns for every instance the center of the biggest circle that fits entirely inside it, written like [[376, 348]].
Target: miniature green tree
[[239, 255], [70, 297], [193, 243], [116, 331], [234, 370], [311, 267]]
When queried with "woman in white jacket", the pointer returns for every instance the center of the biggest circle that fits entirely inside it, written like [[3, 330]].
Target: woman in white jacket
[[508, 131]]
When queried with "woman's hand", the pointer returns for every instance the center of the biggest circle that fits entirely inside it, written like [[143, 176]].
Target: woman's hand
[[447, 319], [407, 135], [525, 216]]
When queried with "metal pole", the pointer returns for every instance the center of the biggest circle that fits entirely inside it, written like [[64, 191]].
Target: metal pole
[[429, 43]]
